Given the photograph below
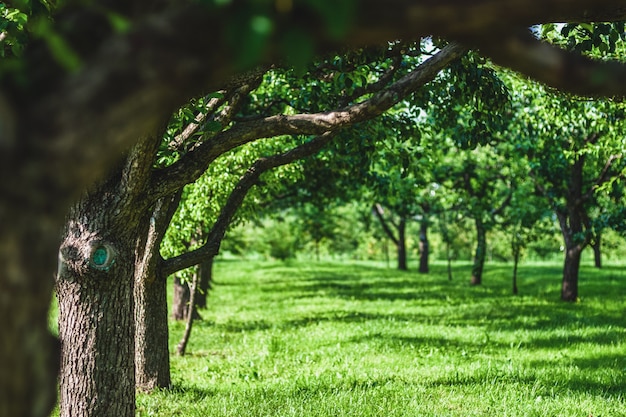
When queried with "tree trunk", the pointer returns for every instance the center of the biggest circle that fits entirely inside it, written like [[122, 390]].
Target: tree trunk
[[29, 354], [569, 288], [424, 247], [402, 264], [152, 360], [152, 356], [182, 345], [180, 301], [516, 256], [182, 297], [205, 283], [96, 316], [481, 250]]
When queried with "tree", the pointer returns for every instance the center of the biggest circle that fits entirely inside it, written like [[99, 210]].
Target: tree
[[571, 158], [129, 197], [94, 80]]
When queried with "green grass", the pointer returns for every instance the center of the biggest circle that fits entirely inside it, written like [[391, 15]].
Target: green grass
[[355, 339]]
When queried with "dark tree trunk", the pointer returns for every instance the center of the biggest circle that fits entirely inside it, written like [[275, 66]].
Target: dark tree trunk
[[569, 288], [205, 283], [424, 247], [516, 256], [96, 313], [29, 354], [181, 299], [193, 290], [481, 251], [402, 264]]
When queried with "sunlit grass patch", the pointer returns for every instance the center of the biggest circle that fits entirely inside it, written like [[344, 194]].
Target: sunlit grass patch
[[332, 339]]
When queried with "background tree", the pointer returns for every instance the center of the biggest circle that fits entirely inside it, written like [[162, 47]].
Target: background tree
[[571, 157]]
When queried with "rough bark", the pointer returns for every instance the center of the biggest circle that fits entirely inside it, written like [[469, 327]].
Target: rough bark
[[481, 252], [152, 361], [152, 365], [96, 311], [95, 288]]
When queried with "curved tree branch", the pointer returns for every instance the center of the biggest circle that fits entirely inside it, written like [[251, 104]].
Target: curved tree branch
[[193, 164], [247, 181]]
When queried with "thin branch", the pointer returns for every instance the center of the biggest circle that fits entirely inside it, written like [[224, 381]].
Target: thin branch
[[380, 214], [602, 178], [210, 107]]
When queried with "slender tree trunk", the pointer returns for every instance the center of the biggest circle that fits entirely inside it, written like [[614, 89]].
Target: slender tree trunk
[[152, 358], [96, 313], [516, 256], [571, 227], [402, 264], [182, 345], [424, 247], [481, 250], [205, 283], [597, 250]]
